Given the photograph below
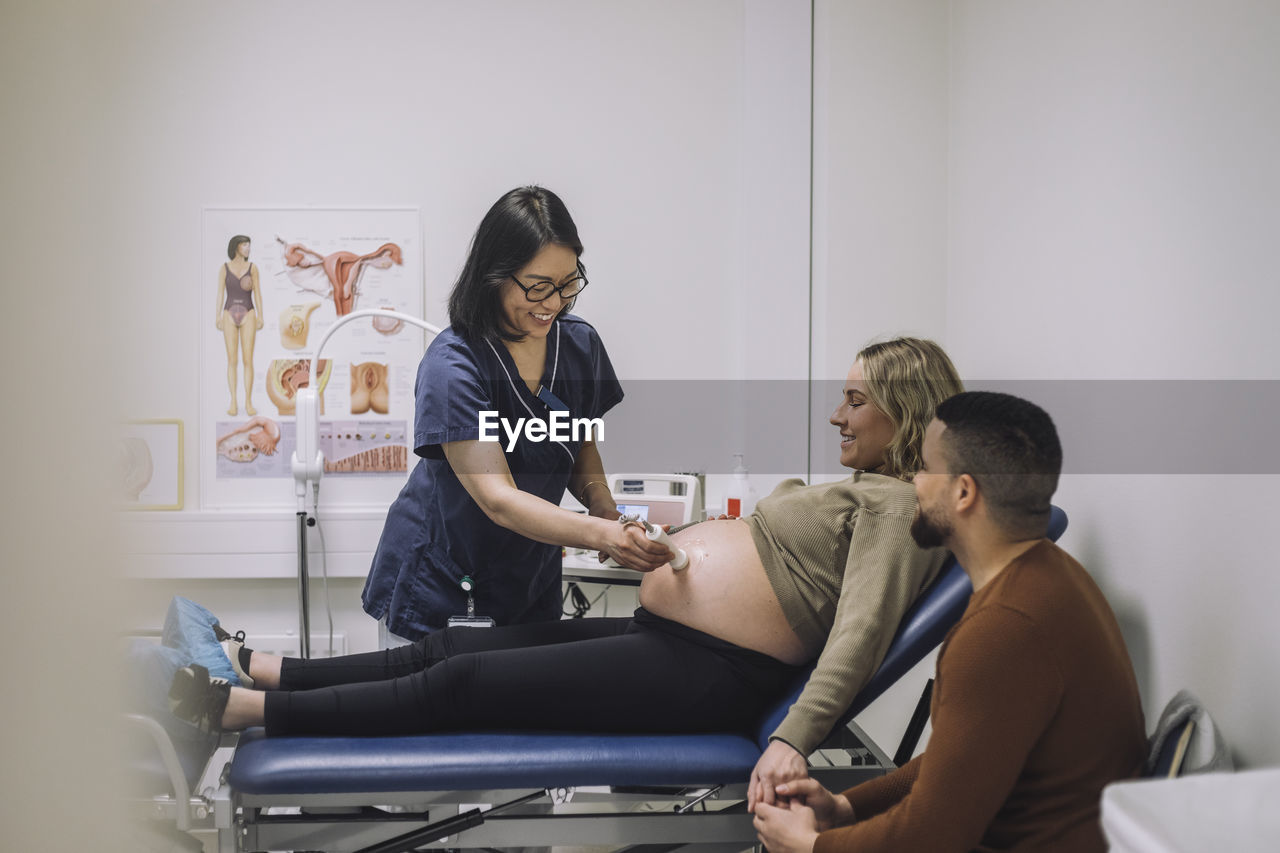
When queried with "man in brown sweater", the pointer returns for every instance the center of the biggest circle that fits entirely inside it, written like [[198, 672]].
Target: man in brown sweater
[[1035, 707]]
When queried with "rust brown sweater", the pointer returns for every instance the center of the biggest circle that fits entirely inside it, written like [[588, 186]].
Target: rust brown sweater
[[1035, 709]]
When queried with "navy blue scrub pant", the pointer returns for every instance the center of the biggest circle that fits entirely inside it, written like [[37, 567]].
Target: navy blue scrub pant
[[641, 673]]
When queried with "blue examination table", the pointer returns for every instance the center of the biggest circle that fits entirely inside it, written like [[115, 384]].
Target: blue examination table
[[510, 788]]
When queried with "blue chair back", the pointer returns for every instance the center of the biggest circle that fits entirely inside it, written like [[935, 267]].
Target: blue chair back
[[926, 624]]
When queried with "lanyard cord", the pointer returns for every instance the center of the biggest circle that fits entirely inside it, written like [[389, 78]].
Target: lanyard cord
[[516, 388], [555, 365]]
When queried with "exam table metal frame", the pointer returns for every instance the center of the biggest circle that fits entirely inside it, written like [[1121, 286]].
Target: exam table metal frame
[[641, 793]]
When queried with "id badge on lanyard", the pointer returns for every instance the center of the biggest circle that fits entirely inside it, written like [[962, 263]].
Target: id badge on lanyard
[[551, 400]]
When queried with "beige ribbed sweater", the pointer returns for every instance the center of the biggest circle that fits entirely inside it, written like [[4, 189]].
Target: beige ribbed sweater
[[843, 565]]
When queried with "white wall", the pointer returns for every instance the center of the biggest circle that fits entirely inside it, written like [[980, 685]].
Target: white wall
[[633, 113], [677, 133], [879, 188], [879, 183], [1093, 195], [1114, 201]]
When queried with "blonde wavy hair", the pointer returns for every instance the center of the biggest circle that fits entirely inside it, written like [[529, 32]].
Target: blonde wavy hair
[[906, 379]]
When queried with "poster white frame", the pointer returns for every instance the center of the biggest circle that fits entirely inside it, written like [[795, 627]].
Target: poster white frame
[[385, 281]]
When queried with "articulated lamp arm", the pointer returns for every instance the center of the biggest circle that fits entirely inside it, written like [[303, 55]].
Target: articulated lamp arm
[[307, 463]]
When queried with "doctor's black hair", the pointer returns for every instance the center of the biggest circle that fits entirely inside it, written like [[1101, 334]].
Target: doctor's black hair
[[516, 228], [1011, 449], [235, 244]]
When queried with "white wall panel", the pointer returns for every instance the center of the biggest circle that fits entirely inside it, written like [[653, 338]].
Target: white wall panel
[[1113, 215], [879, 189]]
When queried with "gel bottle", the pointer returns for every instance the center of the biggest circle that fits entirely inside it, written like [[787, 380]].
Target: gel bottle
[[740, 496]]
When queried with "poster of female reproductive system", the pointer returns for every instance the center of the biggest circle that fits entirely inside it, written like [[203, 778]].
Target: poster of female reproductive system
[[274, 281]]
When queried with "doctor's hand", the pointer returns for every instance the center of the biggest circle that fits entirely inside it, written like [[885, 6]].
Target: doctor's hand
[[789, 828], [778, 764], [630, 547]]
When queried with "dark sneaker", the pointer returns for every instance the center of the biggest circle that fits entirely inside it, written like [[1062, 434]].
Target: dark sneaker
[[199, 699], [234, 643]]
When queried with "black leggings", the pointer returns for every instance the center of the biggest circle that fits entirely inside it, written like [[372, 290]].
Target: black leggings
[[641, 674]]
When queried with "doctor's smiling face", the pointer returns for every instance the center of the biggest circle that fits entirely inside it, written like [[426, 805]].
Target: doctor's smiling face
[[554, 265], [865, 431]]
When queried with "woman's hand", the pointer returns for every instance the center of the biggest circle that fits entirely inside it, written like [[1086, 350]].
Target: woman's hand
[[629, 546], [780, 763]]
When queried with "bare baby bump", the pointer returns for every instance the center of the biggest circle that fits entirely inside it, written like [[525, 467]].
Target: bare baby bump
[[723, 592]]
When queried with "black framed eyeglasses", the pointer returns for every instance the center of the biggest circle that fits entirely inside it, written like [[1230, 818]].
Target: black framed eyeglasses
[[543, 289]]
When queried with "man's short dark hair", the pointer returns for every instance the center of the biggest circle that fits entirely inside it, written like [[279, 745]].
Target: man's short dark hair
[[1010, 447]]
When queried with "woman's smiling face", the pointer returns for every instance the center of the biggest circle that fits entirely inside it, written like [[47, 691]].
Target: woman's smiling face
[[553, 263], [865, 431]]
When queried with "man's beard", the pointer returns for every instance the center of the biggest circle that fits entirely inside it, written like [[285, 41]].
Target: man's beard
[[930, 530]]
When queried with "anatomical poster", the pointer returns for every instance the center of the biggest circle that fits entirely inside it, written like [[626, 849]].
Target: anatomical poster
[[275, 287]]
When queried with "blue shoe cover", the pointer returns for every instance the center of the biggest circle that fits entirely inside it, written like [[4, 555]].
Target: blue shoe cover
[[189, 628]]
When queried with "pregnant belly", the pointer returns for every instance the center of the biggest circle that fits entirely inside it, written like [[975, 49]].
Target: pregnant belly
[[723, 592]]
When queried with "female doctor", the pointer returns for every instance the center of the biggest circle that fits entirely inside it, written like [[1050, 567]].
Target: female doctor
[[473, 508]]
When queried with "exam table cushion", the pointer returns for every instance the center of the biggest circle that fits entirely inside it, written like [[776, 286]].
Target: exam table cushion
[[465, 761], [484, 760]]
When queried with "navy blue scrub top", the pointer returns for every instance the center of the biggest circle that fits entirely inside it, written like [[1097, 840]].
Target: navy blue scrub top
[[435, 533]]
